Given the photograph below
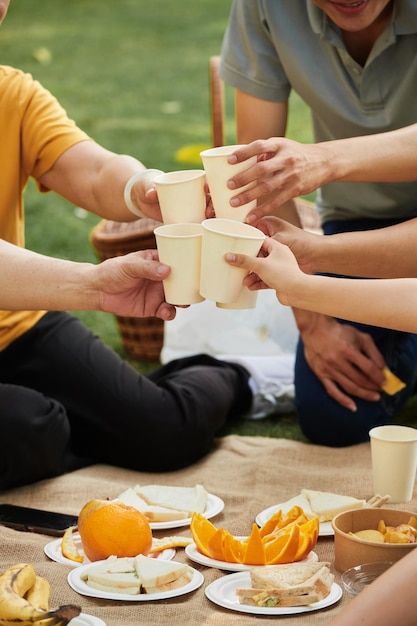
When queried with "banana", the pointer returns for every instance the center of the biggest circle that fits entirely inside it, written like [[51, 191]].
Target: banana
[[38, 595], [16, 610]]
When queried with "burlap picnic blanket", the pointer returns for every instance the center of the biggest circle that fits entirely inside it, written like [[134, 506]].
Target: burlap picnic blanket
[[249, 474]]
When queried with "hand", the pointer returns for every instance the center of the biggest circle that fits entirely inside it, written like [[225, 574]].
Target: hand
[[285, 169], [131, 285], [344, 359]]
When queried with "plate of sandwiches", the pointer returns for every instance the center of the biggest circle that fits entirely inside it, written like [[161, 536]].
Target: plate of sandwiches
[[195, 555], [53, 551], [324, 504], [168, 506], [277, 589], [137, 579]]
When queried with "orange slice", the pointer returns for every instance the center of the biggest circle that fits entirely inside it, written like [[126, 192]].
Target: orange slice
[[254, 553], [68, 547], [202, 530]]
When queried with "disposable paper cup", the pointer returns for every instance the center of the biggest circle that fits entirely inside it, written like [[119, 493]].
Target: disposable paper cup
[[179, 246], [181, 196], [246, 300], [218, 171], [220, 281], [394, 461]]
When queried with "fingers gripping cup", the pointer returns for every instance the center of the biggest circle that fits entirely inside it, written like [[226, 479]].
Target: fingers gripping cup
[[179, 246], [182, 196], [218, 171], [220, 281], [394, 461]]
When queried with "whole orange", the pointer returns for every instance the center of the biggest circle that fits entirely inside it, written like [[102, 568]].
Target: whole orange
[[112, 528]]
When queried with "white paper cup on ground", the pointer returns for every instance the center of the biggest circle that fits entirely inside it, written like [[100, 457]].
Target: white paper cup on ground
[[220, 281], [218, 171], [181, 195], [394, 461], [179, 246]]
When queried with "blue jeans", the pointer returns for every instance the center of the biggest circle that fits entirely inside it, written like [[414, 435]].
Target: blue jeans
[[323, 420]]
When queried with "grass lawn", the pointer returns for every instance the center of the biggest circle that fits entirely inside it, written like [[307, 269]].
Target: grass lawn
[[134, 75]]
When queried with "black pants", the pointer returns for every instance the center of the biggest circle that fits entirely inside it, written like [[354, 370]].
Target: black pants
[[67, 400]]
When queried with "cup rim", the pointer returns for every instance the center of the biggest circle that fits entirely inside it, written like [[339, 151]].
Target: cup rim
[[252, 231], [220, 151], [190, 174], [410, 433]]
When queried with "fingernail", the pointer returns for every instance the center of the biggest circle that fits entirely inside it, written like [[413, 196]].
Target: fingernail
[[235, 201], [250, 218], [231, 184], [353, 408], [232, 159], [230, 257]]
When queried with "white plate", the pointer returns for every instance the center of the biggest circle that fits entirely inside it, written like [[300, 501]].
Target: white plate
[[215, 505], [195, 555], [86, 620], [223, 592], [54, 552], [326, 529], [77, 584]]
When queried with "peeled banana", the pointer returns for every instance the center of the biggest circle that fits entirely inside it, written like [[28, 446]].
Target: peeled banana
[[24, 600]]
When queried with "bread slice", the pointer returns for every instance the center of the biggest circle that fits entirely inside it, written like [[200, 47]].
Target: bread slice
[[181, 581], [300, 500], [154, 573], [274, 586], [116, 575], [290, 575], [153, 513], [189, 499], [326, 505]]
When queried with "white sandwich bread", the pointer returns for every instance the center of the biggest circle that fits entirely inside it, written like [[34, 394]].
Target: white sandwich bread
[[326, 505], [189, 499], [152, 512], [139, 575], [295, 584]]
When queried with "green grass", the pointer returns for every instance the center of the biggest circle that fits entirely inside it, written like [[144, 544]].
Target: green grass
[[134, 75]]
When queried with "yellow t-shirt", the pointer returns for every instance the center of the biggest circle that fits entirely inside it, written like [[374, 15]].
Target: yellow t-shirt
[[34, 132]]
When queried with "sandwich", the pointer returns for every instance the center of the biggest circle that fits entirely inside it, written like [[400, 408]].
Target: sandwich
[[136, 576], [157, 576], [295, 584], [189, 499], [115, 575], [326, 505], [152, 512]]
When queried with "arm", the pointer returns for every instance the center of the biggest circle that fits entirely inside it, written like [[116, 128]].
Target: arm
[[390, 599], [289, 169], [388, 303], [351, 254], [94, 178], [128, 285], [346, 361]]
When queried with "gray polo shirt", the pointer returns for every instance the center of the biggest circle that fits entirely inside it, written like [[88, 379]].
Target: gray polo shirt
[[273, 46]]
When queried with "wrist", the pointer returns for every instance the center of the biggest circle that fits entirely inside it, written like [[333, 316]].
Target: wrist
[[127, 194]]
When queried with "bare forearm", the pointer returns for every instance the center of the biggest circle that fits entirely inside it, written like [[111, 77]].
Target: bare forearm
[[385, 157], [383, 253], [386, 303], [35, 282]]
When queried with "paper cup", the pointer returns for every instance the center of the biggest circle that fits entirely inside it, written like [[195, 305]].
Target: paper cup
[[220, 281], [181, 196], [394, 461], [247, 300], [179, 246], [218, 171]]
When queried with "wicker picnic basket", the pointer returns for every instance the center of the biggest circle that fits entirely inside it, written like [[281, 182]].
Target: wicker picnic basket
[[142, 338]]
